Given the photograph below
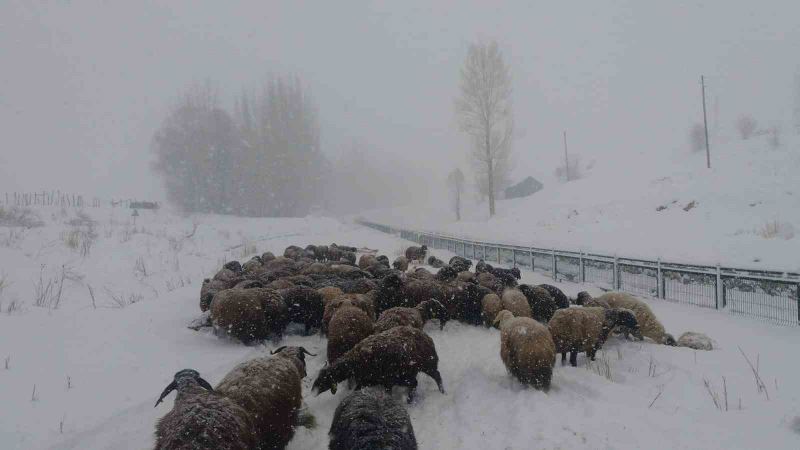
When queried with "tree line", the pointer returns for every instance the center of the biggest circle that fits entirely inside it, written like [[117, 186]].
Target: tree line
[[262, 159]]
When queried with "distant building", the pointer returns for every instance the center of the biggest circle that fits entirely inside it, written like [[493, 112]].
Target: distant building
[[524, 188]]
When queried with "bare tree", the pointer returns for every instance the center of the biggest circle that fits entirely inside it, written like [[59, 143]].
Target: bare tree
[[697, 137], [746, 125], [456, 183], [485, 114]]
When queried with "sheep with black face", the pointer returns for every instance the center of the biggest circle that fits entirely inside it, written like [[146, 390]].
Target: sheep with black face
[[202, 419], [577, 330]]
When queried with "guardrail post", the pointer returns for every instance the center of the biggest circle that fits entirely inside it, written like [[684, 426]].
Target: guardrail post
[[719, 288], [581, 268], [555, 268], [514, 256], [798, 303], [498, 255], [659, 280], [533, 267], [616, 273]]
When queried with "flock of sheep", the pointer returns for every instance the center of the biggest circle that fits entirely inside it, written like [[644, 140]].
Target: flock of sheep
[[373, 314]]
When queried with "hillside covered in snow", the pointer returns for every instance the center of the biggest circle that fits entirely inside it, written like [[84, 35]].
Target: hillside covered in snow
[[744, 211]]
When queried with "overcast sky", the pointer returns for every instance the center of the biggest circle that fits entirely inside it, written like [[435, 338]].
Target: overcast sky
[[83, 85]]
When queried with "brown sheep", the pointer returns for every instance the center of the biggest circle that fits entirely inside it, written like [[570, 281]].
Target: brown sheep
[[416, 254], [491, 304], [649, 326], [329, 293], [577, 330], [467, 277], [401, 263], [527, 350], [270, 389], [367, 261], [516, 302], [490, 281], [360, 301], [249, 314], [348, 326], [415, 317], [281, 283], [387, 359]]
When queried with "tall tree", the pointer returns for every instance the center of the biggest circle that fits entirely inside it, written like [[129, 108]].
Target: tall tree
[[485, 114], [456, 183]]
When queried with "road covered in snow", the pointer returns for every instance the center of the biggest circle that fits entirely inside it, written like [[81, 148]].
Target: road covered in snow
[[98, 365]]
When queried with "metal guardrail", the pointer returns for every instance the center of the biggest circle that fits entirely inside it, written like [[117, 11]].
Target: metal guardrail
[[766, 295]]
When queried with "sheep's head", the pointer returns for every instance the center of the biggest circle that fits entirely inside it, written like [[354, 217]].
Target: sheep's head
[[434, 309], [181, 379], [324, 382], [501, 317], [668, 339], [392, 281], [515, 271], [296, 354], [447, 273], [384, 259], [623, 318], [233, 266], [424, 249], [582, 298]]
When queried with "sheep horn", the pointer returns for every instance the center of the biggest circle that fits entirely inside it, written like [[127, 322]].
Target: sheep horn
[[303, 350], [277, 350], [205, 384], [170, 387]]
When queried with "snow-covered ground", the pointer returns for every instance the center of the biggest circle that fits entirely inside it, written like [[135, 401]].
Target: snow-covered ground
[[97, 370], [744, 212]]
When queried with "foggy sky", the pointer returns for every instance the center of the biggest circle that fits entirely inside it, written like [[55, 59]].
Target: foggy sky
[[83, 85]]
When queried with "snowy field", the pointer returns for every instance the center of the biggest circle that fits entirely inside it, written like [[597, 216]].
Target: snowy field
[[744, 212], [85, 375]]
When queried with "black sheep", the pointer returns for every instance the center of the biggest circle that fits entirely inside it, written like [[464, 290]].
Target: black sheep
[[460, 264], [447, 273], [509, 277], [391, 293], [370, 419], [483, 266], [435, 262], [541, 302], [304, 305], [391, 358], [558, 295]]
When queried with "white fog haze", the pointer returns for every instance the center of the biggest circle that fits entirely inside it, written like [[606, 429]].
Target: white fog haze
[[85, 84], [358, 225]]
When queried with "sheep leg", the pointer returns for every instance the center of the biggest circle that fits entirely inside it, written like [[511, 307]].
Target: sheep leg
[[638, 335], [412, 389], [437, 377], [563, 358], [388, 388], [591, 354], [573, 359]]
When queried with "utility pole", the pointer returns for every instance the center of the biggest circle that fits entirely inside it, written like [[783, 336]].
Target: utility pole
[[705, 120], [566, 159]]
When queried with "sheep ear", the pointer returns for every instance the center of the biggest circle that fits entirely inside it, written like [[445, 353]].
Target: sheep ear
[[205, 384], [170, 387], [306, 352], [277, 350]]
